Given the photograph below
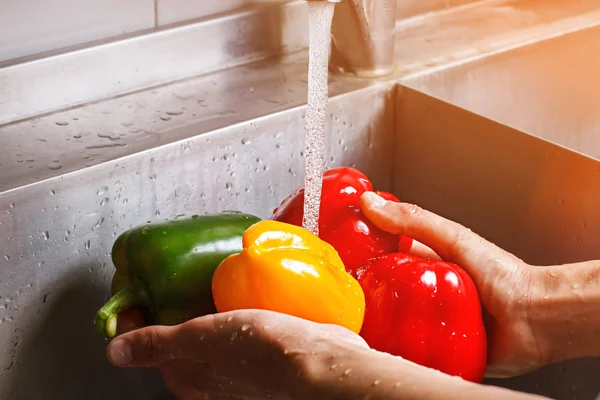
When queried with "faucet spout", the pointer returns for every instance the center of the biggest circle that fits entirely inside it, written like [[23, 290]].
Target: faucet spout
[[363, 37]]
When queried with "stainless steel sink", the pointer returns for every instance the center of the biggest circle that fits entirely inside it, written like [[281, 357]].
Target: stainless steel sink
[[513, 188], [454, 140]]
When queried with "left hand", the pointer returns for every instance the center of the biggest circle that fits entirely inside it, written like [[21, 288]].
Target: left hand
[[249, 354]]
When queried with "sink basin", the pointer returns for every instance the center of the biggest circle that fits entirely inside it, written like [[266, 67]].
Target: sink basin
[[511, 187], [553, 84]]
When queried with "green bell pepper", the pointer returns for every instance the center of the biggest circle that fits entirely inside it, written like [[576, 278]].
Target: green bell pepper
[[166, 268]]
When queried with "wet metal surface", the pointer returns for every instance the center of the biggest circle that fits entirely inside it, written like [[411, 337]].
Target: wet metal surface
[[550, 89], [54, 145], [56, 235]]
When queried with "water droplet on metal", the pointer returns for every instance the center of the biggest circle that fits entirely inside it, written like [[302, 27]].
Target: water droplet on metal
[[99, 222], [109, 136], [54, 166], [105, 146]]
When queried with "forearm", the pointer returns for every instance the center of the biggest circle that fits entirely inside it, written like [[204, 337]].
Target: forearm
[[566, 313], [366, 374]]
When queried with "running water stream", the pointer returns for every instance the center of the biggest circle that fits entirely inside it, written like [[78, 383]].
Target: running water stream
[[320, 15]]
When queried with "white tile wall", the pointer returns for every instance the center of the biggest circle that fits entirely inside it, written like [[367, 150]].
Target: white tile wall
[[172, 11], [32, 26]]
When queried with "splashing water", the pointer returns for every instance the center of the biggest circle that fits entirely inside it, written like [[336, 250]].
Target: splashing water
[[320, 15]]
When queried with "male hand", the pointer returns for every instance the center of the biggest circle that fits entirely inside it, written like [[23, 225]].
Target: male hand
[[247, 354], [508, 287]]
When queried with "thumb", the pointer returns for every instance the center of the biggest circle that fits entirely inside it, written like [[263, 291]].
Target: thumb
[[147, 347], [450, 240]]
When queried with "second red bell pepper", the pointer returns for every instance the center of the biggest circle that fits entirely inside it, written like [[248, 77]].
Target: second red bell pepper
[[341, 222], [426, 311]]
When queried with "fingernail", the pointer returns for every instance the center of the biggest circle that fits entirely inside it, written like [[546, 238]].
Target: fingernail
[[375, 200], [120, 352]]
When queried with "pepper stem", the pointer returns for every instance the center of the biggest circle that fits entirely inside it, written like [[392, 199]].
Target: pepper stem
[[129, 297]]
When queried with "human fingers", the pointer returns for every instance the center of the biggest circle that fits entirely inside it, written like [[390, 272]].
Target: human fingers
[[201, 339], [146, 347], [420, 250], [450, 240]]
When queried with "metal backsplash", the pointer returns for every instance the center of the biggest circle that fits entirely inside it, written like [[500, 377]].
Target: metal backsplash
[[56, 235]]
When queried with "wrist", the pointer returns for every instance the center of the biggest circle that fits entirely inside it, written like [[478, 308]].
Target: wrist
[[565, 314], [356, 373], [547, 326]]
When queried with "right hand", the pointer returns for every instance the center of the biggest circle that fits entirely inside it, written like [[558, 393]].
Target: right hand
[[508, 287]]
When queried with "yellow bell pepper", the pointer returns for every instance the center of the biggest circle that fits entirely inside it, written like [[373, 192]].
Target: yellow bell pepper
[[287, 269]]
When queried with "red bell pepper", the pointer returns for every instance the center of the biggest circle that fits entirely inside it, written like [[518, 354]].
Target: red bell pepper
[[341, 222], [426, 311]]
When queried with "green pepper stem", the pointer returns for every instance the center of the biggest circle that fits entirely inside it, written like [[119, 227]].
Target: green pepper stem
[[130, 297]]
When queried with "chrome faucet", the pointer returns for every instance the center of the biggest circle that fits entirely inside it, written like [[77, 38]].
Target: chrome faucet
[[363, 37]]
